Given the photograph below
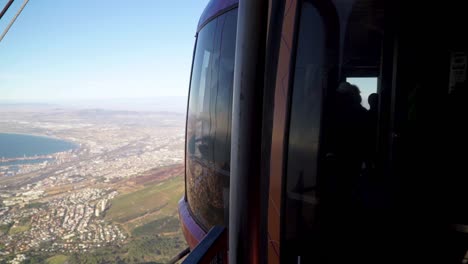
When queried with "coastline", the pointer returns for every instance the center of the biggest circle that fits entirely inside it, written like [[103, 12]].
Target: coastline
[[74, 146]]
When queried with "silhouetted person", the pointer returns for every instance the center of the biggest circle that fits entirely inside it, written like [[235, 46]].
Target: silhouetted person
[[373, 100], [352, 127], [347, 145], [373, 116]]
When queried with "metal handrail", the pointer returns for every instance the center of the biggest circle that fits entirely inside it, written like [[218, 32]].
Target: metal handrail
[[212, 247]]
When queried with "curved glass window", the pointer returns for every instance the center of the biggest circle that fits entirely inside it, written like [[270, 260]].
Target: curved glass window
[[209, 121]]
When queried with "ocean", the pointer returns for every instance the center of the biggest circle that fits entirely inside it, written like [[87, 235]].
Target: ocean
[[19, 145]]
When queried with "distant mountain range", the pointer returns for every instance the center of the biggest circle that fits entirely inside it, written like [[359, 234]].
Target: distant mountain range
[[169, 104]]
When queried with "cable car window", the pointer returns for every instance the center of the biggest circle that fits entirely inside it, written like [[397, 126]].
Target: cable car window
[[304, 131], [368, 89], [209, 121], [332, 144]]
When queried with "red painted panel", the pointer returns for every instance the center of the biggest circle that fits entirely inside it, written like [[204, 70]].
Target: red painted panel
[[279, 128]]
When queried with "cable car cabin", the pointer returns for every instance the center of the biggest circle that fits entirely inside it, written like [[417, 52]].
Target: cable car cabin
[[208, 129], [301, 134]]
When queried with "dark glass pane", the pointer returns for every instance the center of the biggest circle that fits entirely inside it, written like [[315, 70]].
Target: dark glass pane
[[331, 159], [209, 121], [304, 133]]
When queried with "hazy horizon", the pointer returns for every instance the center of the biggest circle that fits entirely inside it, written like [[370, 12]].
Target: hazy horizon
[[177, 104]]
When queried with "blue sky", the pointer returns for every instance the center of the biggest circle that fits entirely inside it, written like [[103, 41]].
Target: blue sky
[[61, 50]]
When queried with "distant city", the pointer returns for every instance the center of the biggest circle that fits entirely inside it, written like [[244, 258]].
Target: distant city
[[119, 171]]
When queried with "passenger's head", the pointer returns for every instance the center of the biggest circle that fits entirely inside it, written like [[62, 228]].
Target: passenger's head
[[373, 100], [350, 93]]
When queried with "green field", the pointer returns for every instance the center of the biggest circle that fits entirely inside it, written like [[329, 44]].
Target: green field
[[4, 229], [147, 249], [19, 229], [150, 217], [158, 226], [36, 205], [159, 200], [58, 259]]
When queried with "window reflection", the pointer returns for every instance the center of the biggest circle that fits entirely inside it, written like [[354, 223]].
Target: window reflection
[[209, 121]]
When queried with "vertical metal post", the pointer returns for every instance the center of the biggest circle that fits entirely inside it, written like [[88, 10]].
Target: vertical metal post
[[244, 207]]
